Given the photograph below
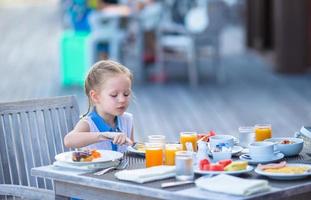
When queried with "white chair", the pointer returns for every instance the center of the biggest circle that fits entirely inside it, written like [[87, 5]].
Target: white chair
[[105, 29], [203, 25], [31, 134]]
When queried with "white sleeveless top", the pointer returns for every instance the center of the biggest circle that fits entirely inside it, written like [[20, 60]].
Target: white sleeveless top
[[125, 124]]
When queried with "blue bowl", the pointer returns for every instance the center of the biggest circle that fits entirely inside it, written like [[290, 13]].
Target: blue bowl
[[288, 149]]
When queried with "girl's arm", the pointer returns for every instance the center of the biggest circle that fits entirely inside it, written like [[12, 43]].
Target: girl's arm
[[132, 134], [81, 136]]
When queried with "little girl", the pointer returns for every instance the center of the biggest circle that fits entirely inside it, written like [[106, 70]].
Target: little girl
[[107, 126]]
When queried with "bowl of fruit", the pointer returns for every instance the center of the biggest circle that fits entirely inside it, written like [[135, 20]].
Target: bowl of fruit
[[289, 146]]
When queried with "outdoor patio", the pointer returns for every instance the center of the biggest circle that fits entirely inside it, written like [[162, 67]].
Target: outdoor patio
[[251, 93]]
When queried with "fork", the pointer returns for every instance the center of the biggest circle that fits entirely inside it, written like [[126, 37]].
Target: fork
[[122, 165], [179, 183]]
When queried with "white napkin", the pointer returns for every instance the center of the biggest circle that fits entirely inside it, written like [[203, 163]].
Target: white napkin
[[147, 174], [232, 185]]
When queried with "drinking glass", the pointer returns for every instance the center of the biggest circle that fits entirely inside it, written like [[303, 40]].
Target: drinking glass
[[184, 165], [263, 131], [170, 151], [154, 154], [189, 140], [156, 139], [246, 135]]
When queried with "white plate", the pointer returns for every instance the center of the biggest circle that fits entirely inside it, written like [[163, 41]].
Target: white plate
[[133, 150], [280, 176], [106, 156], [235, 150], [86, 168], [276, 157], [198, 171]]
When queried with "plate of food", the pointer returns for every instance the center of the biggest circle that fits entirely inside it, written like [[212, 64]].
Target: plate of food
[[87, 157], [222, 167], [284, 171], [137, 148]]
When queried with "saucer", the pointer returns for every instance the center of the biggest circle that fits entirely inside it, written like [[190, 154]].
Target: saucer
[[235, 150], [276, 157]]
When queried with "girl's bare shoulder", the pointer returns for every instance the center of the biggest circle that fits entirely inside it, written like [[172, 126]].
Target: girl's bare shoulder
[[82, 125]]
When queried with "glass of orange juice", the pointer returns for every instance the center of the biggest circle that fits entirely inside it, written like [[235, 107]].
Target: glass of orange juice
[[154, 154], [187, 138], [156, 139], [263, 131], [170, 151]]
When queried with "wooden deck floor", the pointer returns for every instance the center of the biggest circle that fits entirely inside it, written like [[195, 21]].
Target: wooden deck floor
[[251, 94]]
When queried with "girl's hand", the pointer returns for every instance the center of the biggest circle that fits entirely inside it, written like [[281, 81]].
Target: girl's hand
[[119, 138]]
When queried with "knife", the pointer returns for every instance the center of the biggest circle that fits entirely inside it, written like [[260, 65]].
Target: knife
[[175, 183]]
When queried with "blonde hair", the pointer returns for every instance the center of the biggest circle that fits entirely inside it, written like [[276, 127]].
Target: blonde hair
[[99, 73]]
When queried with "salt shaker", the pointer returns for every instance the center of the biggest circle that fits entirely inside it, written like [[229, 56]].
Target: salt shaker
[[202, 151]]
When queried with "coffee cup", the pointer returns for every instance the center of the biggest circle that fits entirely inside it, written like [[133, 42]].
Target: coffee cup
[[218, 139], [261, 150]]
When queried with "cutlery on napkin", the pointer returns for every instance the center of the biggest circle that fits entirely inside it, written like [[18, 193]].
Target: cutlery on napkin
[[146, 174], [232, 185]]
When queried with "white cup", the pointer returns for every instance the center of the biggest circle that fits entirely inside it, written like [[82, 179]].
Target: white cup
[[261, 150], [221, 155], [217, 139]]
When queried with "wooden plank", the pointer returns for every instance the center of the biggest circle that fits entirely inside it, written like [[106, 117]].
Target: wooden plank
[[5, 169], [9, 140], [28, 148], [19, 149], [81, 192], [37, 146], [25, 192]]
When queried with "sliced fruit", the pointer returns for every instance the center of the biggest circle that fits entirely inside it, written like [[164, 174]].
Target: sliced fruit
[[206, 167], [203, 162], [216, 167], [224, 163], [236, 166]]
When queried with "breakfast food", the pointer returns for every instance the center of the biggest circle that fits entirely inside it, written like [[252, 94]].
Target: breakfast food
[[223, 165], [205, 136], [139, 147], [286, 142], [236, 166], [283, 168], [272, 165], [289, 170], [85, 156]]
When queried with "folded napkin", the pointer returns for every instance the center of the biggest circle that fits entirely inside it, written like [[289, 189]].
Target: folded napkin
[[147, 174], [232, 185]]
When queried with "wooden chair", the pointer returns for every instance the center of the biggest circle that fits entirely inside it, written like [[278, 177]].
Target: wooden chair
[[31, 134]]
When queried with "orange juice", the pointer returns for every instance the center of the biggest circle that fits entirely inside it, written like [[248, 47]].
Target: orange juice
[[191, 137], [263, 132], [170, 151], [154, 154]]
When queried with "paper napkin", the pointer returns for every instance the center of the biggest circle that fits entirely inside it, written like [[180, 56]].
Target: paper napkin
[[146, 174], [232, 185]]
